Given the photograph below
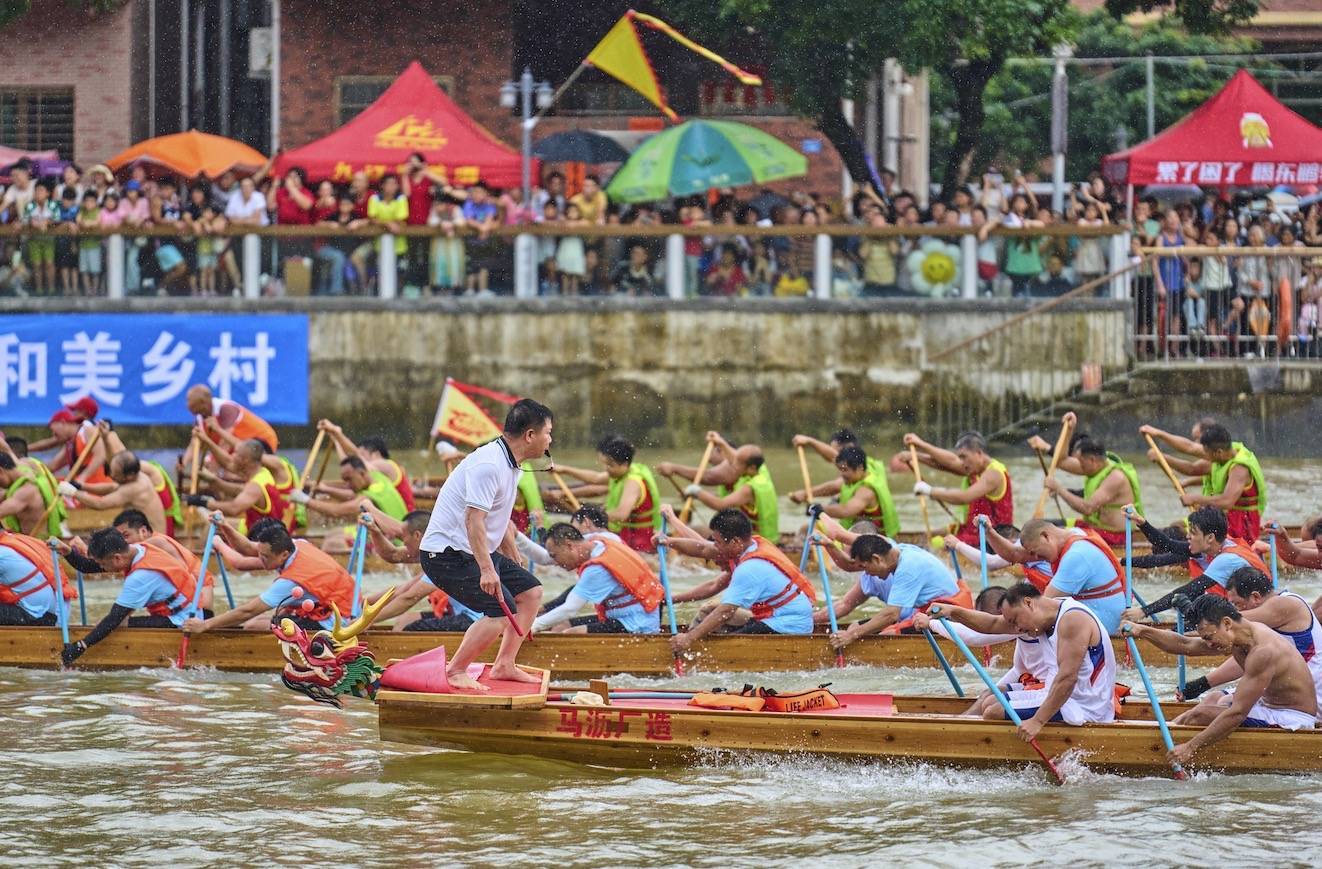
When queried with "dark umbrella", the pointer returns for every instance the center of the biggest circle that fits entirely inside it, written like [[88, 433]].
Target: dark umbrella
[[579, 146]]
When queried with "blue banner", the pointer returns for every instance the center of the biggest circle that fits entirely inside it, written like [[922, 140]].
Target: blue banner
[[139, 366]]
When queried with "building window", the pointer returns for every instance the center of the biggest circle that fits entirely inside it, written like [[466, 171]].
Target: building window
[[37, 119], [353, 93], [726, 96]]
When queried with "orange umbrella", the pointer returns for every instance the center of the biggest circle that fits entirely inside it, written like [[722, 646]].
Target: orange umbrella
[[192, 154]]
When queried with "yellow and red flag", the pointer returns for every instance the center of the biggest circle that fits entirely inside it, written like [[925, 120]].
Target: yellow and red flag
[[620, 54], [459, 416]]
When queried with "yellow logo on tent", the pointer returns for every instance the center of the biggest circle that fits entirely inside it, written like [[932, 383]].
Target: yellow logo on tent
[[409, 132], [1254, 131]]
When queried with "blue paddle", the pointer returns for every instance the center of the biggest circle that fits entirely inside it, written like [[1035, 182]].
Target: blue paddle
[[826, 584], [1153, 700], [225, 578], [945, 665], [670, 604], [1179, 629], [996, 691], [61, 614], [1275, 573], [192, 611], [82, 600], [357, 556], [982, 551]]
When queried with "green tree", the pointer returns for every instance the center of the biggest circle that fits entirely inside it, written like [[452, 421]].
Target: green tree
[[1104, 100]]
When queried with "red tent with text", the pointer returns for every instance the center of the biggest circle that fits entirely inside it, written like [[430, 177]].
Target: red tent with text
[[413, 114], [1241, 137]]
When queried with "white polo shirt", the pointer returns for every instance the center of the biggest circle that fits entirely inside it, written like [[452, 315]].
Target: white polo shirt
[[487, 479]]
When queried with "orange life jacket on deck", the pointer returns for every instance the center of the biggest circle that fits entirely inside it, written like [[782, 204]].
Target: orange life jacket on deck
[[400, 481], [641, 585], [963, 597], [184, 555], [1115, 586], [1234, 547], [767, 551], [37, 552], [173, 570], [322, 577], [250, 425]]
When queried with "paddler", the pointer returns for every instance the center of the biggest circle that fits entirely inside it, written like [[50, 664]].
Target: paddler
[[82, 410], [1083, 568], [27, 582], [1306, 553], [232, 417], [282, 471], [360, 482], [762, 580], [1081, 687], [1214, 556], [906, 579], [28, 495], [128, 487], [469, 551], [152, 579], [1109, 483], [257, 496], [161, 480], [374, 452], [864, 493], [76, 434], [1232, 478], [307, 583], [444, 613], [1006, 552], [722, 471], [1276, 690], [830, 450], [136, 528], [752, 491], [590, 521], [986, 487], [633, 503], [612, 577], [1286, 613]]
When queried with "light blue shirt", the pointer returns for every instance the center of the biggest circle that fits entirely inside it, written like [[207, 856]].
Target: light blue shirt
[[757, 580], [919, 578], [13, 569], [596, 584], [1086, 568], [143, 587], [1222, 566]]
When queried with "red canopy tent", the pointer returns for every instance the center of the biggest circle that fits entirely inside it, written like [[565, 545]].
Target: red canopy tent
[[413, 114], [1241, 137]]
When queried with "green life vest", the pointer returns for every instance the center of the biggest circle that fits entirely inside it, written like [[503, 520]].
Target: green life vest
[[385, 496], [529, 495], [1091, 484], [1215, 481], [764, 511], [176, 511], [643, 515], [883, 514], [48, 494]]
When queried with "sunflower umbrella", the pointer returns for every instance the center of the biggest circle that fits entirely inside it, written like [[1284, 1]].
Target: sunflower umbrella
[[699, 155]]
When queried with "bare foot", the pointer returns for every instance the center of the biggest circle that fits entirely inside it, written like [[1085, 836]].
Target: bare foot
[[462, 681], [512, 674]]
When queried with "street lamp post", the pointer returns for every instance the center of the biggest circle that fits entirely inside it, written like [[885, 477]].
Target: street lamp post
[[1059, 126], [524, 93]]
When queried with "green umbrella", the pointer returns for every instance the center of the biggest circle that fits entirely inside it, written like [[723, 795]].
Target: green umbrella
[[700, 155]]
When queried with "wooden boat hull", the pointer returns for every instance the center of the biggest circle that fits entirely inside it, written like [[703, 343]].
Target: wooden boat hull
[[568, 655], [647, 734]]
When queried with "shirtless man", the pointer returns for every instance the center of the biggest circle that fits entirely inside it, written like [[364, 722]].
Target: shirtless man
[[129, 487], [1276, 689]]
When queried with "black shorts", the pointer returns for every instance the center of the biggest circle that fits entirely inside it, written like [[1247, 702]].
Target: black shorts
[[596, 626], [152, 621], [15, 616], [753, 626], [440, 623], [456, 573]]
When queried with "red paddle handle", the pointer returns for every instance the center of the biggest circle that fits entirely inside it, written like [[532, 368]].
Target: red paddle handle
[[509, 615], [183, 652]]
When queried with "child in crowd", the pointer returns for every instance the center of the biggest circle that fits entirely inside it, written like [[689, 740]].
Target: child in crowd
[[571, 255], [208, 249], [89, 246], [66, 246], [1195, 307], [448, 265], [41, 216]]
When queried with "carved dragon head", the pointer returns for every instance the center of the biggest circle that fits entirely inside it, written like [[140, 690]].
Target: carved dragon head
[[327, 664]]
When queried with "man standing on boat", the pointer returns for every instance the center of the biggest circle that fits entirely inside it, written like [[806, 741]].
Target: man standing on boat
[[1276, 689], [763, 580], [469, 552], [986, 487], [1083, 567], [1081, 690]]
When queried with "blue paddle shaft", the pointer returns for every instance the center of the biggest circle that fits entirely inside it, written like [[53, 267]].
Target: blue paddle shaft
[[356, 558], [202, 571], [1179, 629], [982, 553], [954, 562], [225, 578], [665, 580], [61, 614], [82, 600], [1129, 560], [982, 672], [945, 665], [826, 585], [1275, 574], [1152, 699]]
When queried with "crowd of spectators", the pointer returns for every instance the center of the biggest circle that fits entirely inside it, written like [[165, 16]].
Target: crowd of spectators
[[1226, 294]]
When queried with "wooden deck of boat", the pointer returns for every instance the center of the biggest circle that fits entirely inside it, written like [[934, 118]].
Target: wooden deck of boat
[[649, 733], [570, 656]]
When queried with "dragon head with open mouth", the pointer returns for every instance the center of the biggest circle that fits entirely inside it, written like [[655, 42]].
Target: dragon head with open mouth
[[327, 664]]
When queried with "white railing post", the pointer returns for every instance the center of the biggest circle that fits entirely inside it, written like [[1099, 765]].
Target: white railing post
[[525, 266], [821, 266], [1118, 260], [115, 266], [675, 266], [387, 269], [968, 264], [252, 266]]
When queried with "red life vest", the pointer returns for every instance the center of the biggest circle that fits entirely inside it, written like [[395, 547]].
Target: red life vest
[[641, 585], [322, 577], [963, 597], [75, 449], [269, 503], [183, 554], [37, 552], [402, 485], [999, 511], [767, 551], [1234, 547], [173, 570], [440, 603], [1038, 577], [1114, 587], [248, 425]]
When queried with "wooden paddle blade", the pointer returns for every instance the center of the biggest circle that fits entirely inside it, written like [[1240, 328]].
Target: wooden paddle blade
[[1060, 778]]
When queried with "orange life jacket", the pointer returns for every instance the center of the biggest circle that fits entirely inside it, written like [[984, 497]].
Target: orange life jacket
[[173, 570], [37, 552], [250, 425], [767, 551], [1038, 577], [75, 449], [641, 585], [440, 603], [1234, 547], [186, 556], [322, 577], [1115, 586], [724, 700], [963, 597]]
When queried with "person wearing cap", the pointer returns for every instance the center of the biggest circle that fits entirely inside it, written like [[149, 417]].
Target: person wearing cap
[[231, 416], [101, 181], [82, 410], [75, 434]]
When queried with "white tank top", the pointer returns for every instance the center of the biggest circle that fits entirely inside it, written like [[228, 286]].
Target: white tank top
[[1309, 643], [1033, 656], [1094, 690]]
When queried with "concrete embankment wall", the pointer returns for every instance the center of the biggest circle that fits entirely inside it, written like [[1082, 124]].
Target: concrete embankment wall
[[663, 372]]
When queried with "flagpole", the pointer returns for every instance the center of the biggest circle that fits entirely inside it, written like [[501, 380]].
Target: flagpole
[[555, 97]]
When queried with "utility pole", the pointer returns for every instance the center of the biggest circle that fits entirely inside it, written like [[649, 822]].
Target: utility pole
[[1060, 96], [1152, 108]]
